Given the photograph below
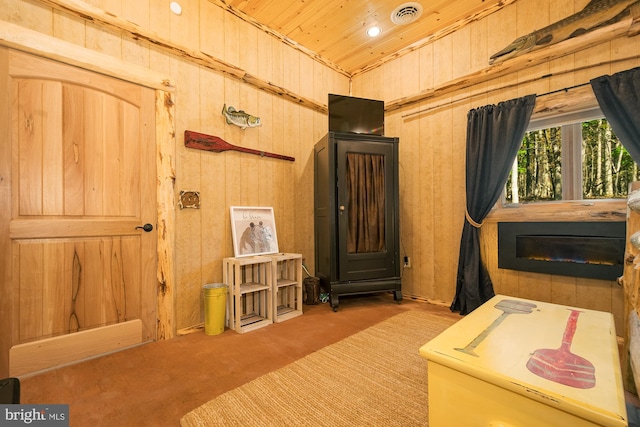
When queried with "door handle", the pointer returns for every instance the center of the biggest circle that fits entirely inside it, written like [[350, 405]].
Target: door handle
[[146, 227]]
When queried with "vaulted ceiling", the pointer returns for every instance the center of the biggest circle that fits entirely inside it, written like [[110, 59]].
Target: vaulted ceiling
[[335, 30]]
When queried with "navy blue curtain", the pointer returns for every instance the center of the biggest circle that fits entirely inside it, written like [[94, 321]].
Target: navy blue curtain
[[494, 135], [619, 99]]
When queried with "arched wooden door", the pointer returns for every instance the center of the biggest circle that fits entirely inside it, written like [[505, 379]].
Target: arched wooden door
[[79, 278]]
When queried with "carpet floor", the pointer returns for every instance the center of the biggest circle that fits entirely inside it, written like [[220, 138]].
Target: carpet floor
[[375, 377], [157, 384]]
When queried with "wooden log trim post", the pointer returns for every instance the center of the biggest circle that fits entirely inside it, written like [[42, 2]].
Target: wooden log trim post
[[166, 173]]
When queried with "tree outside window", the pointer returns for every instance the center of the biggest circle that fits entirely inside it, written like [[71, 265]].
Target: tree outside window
[[571, 161]]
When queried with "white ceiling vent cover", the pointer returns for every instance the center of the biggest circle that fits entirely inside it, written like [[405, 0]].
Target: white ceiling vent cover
[[406, 13]]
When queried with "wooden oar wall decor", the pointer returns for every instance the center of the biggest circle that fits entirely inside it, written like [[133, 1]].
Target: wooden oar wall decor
[[215, 144]]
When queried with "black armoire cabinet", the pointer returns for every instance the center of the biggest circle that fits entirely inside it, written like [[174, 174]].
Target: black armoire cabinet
[[356, 215]]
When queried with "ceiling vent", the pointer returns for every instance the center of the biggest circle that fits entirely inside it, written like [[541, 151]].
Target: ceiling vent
[[406, 13]]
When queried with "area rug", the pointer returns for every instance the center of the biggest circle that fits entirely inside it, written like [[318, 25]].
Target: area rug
[[375, 377]]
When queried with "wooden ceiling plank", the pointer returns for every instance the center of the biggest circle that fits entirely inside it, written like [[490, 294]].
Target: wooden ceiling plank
[[347, 34], [354, 41], [286, 40], [480, 14], [332, 31], [255, 7], [273, 11], [297, 22]]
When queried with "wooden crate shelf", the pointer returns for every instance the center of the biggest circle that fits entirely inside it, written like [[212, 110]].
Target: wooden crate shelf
[[250, 284], [287, 290], [246, 288]]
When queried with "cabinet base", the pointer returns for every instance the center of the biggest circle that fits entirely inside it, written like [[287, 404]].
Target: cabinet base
[[363, 287]]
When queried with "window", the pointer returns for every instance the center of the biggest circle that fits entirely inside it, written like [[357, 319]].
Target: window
[[572, 157]]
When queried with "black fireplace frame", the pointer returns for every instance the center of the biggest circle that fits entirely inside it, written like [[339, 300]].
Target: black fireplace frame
[[507, 253]]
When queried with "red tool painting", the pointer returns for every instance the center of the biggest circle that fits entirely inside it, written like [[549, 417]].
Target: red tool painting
[[507, 306], [561, 365], [215, 144]]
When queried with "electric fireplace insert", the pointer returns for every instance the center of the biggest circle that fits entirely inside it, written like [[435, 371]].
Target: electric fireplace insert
[[579, 249]]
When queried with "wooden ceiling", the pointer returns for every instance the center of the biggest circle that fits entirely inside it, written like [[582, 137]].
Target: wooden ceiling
[[335, 30]]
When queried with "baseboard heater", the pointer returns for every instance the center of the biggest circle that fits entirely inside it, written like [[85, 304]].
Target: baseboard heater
[[580, 249]]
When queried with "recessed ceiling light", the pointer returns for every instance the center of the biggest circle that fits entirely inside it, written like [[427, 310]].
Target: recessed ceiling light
[[175, 7], [374, 31]]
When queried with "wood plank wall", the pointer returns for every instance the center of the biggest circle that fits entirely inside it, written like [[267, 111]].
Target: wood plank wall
[[432, 149], [203, 236]]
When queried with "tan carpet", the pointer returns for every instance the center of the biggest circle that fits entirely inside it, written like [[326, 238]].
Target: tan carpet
[[375, 377]]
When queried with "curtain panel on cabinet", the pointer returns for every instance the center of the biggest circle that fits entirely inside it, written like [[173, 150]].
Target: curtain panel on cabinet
[[365, 183], [619, 99], [494, 135]]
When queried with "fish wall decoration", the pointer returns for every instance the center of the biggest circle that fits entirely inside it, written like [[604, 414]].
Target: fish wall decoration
[[596, 14], [240, 118]]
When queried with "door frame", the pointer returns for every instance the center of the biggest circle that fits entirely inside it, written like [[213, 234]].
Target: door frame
[[29, 41]]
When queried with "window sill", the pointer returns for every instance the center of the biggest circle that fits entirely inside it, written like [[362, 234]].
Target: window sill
[[586, 210]]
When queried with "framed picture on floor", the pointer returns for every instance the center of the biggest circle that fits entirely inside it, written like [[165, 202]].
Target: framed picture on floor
[[253, 230]]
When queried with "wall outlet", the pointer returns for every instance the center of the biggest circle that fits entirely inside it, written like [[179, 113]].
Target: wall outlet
[[407, 262]]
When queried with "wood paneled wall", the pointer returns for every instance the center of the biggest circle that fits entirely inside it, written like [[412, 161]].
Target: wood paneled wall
[[432, 148], [203, 236], [432, 132]]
